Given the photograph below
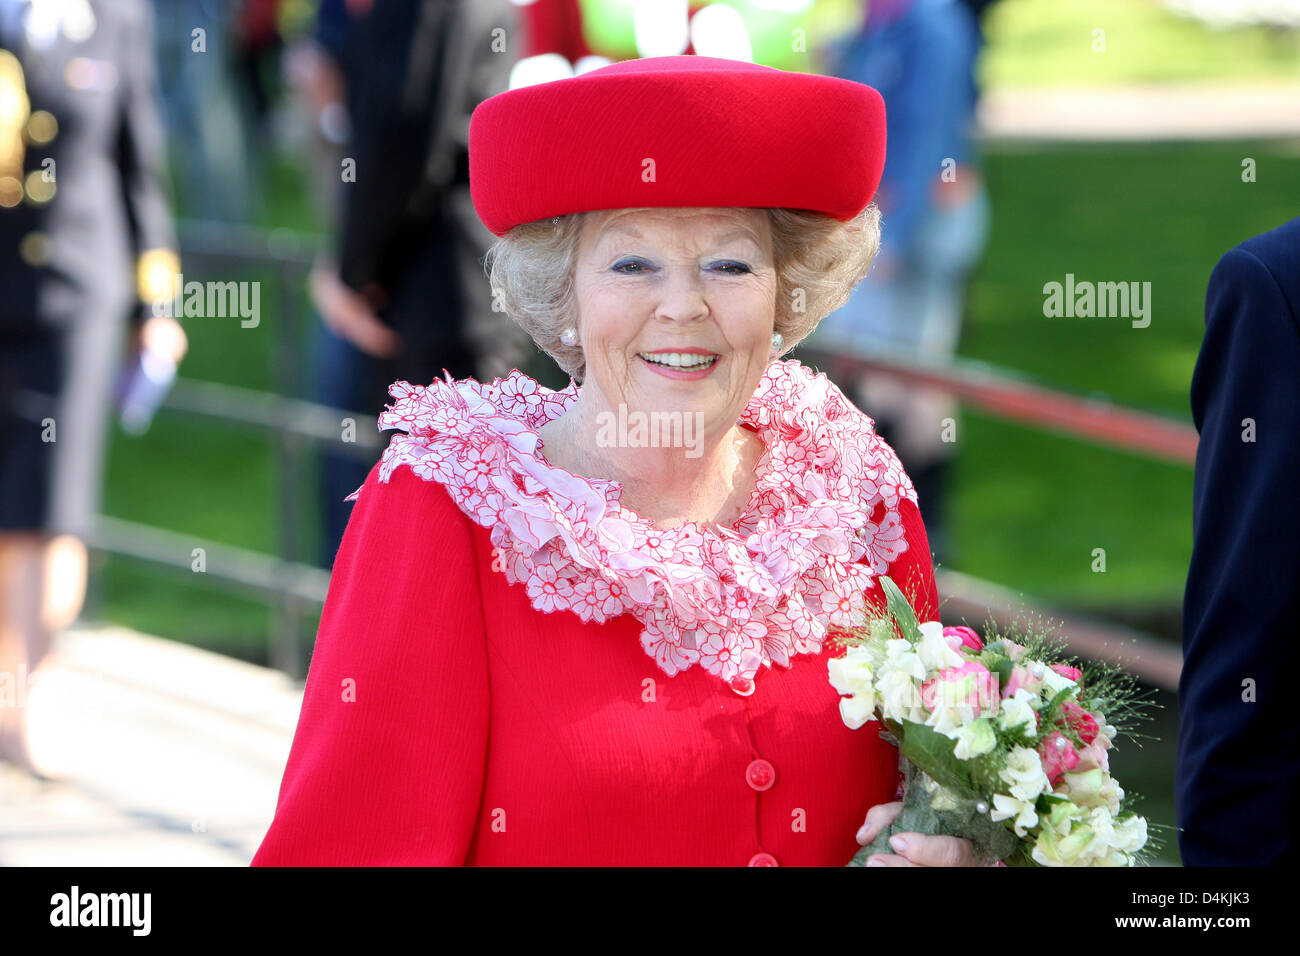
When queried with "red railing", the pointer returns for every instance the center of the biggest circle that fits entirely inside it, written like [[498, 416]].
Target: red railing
[[1000, 393]]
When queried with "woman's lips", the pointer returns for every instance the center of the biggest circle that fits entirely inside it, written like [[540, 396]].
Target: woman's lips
[[680, 372]]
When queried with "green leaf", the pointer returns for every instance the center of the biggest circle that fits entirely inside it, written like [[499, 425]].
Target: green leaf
[[1052, 710], [984, 772], [1003, 669], [900, 610], [932, 752]]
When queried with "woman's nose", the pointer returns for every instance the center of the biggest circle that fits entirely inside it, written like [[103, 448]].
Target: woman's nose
[[682, 296]]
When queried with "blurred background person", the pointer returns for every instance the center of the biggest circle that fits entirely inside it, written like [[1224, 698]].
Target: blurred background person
[[403, 295], [921, 55], [257, 50], [85, 235], [197, 48]]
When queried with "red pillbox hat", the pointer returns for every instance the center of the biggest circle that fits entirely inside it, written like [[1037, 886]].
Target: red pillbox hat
[[676, 131]]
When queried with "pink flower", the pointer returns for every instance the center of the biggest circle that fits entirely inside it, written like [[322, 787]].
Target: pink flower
[[1020, 678], [1079, 720], [1059, 756], [1094, 756], [971, 684], [1073, 673], [959, 637], [1013, 649]]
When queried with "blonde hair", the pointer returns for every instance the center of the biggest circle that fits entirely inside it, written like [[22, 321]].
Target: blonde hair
[[818, 262]]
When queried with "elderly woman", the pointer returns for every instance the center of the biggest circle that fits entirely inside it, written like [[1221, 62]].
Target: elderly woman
[[592, 626]]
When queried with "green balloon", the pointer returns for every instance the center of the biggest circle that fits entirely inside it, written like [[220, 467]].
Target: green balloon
[[778, 31]]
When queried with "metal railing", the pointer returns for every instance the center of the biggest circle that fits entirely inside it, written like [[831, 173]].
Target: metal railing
[[285, 579], [1014, 398]]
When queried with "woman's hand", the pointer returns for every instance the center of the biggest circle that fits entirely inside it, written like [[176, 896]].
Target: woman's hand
[[913, 849], [350, 315], [162, 335]]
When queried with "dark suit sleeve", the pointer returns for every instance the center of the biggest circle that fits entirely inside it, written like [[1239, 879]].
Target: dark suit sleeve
[[142, 150], [1237, 760]]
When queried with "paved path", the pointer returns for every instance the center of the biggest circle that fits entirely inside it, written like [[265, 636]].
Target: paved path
[[1164, 112], [168, 756]]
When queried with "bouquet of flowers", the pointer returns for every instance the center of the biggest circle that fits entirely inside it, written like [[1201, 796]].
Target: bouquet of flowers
[[1004, 742]]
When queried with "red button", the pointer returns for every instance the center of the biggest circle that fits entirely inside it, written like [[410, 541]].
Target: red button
[[760, 775], [743, 686], [763, 859]]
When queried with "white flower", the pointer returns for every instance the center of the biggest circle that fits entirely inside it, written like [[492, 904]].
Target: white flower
[[857, 710], [900, 699], [896, 684], [1017, 711], [1116, 857], [974, 739], [1111, 843], [851, 674], [1103, 835], [1094, 788], [1073, 848], [1055, 683], [934, 651], [949, 720], [899, 656], [1130, 835], [1024, 771], [1005, 807]]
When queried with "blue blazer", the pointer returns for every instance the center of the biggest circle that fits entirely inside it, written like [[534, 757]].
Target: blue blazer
[[1238, 776]]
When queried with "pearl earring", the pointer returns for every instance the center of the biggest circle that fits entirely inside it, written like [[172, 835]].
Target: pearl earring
[[569, 336], [778, 340]]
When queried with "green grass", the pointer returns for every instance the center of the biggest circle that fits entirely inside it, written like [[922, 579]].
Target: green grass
[[1030, 507], [1051, 42], [207, 480]]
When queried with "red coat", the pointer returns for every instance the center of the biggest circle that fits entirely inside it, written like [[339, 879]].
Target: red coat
[[446, 721]]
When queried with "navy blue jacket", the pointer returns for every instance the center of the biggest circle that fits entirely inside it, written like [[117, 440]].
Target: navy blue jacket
[[1238, 776]]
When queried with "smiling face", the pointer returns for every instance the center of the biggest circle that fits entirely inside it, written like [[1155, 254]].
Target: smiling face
[[676, 308]]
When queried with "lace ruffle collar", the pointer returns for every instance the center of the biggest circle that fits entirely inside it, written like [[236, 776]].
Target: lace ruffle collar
[[822, 522]]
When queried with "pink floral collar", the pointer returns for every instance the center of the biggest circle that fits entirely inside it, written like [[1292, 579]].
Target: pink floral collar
[[822, 523]]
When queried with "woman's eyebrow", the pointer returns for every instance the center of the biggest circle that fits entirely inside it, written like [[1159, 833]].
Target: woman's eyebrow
[[741, 233], [619, 226], [630, 230]]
